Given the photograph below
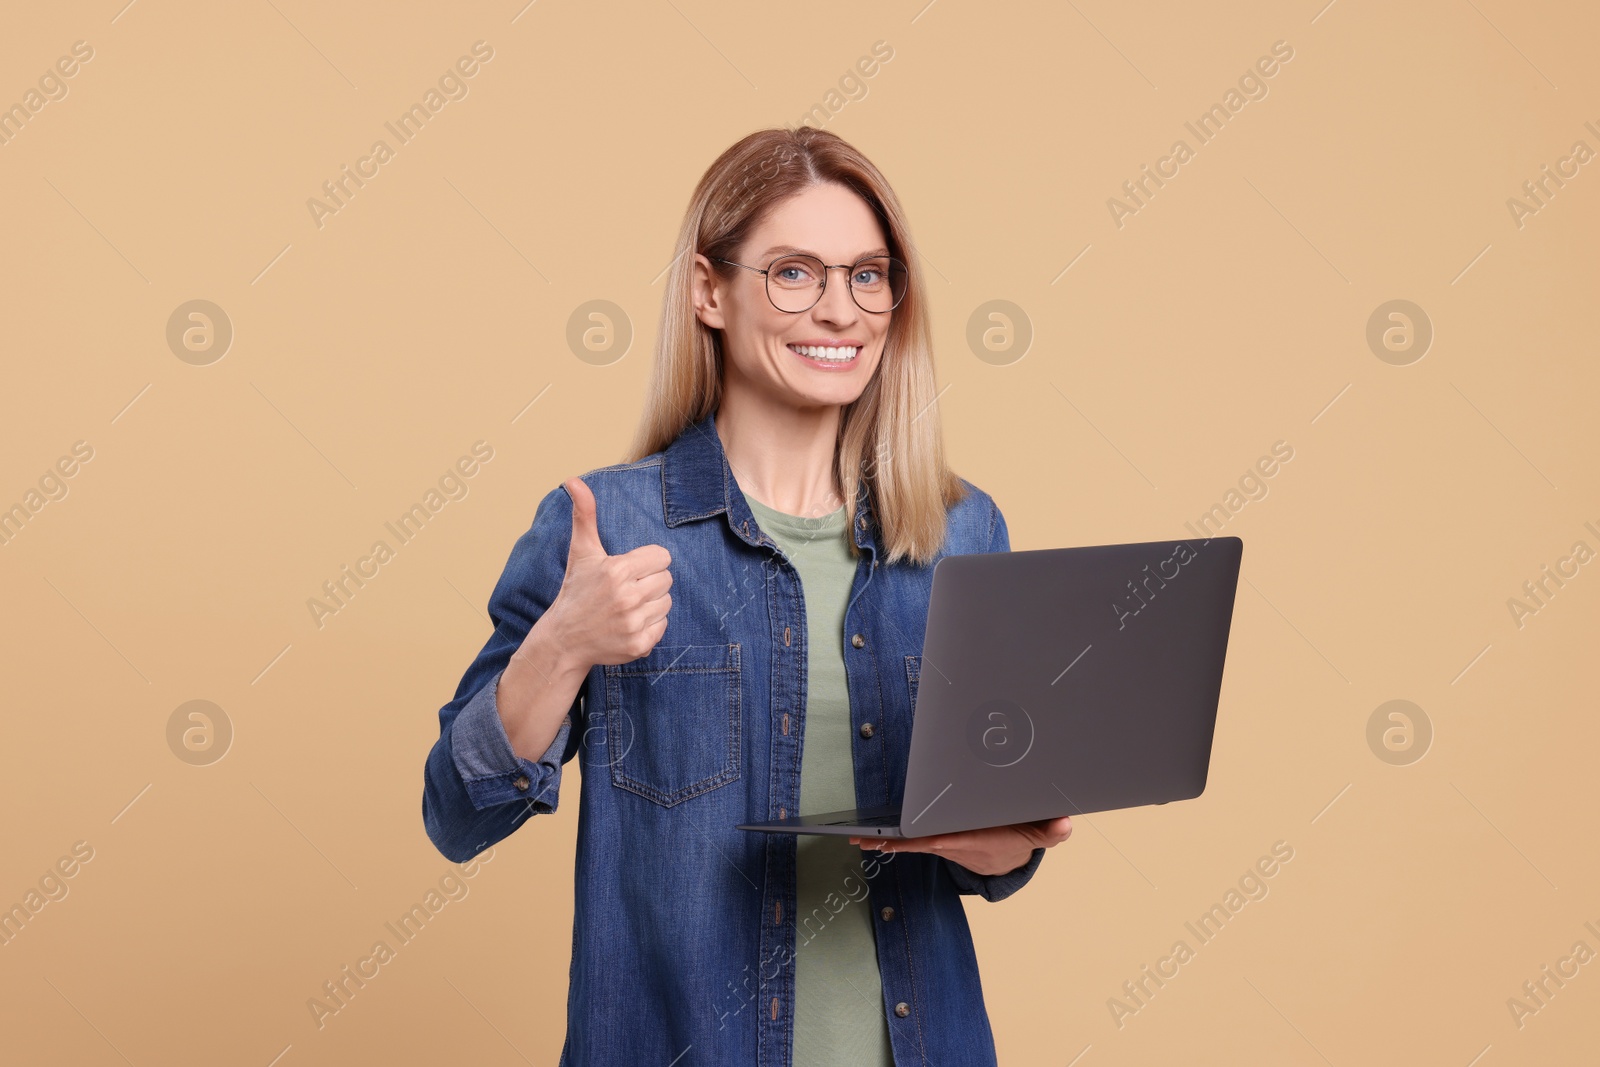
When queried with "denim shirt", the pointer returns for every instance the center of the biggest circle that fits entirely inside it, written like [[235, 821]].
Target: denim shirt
[[684, 928]]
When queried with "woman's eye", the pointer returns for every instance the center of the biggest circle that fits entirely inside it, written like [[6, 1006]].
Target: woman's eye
[[868, 277]]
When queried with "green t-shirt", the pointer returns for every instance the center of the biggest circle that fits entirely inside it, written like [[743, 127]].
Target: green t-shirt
[[839, 1016]]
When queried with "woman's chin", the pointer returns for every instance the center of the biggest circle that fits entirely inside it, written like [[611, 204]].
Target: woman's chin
[[834, 396]]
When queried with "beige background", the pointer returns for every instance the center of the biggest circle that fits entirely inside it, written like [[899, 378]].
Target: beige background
[[1168, 354]]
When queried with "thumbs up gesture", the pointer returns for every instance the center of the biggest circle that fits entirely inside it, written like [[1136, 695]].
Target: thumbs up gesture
[[611, 609]]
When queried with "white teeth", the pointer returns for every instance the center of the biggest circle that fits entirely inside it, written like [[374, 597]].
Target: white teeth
[[826, 355]]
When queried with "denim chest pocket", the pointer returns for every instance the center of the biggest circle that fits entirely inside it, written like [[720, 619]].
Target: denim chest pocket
[[673, 721]]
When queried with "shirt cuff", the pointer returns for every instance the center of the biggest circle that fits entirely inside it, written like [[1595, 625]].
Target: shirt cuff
[[490, 769], [994, 887]]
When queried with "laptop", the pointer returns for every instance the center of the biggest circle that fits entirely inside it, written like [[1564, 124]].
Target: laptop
[[1058, 681]]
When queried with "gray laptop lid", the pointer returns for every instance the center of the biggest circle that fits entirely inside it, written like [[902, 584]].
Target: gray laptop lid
[[1068, 680]]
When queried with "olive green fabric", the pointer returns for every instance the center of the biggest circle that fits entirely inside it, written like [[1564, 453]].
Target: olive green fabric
[[839, 1016]]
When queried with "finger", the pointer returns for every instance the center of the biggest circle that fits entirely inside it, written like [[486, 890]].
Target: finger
[[654, 586], [886, 844], [653, 611], [585, 529], [644, 561], [1046, 832]]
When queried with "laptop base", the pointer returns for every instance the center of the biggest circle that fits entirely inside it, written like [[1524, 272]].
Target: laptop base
[[852, 822]]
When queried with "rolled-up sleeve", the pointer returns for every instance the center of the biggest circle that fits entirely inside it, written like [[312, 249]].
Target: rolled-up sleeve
[[491, 770], [476, 789], [995, 887]]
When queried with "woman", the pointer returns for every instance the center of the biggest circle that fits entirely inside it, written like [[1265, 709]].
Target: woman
[[782, 388]]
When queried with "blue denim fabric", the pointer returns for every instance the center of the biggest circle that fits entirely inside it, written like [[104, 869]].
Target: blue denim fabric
[[684, 929]]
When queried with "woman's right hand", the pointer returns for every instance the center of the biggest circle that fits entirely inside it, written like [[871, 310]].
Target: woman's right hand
[[611, 609]]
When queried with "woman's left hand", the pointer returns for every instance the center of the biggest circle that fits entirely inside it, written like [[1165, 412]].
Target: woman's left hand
[[992, 850]]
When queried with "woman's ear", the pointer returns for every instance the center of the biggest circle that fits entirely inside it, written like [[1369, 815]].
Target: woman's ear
[[705, 292]]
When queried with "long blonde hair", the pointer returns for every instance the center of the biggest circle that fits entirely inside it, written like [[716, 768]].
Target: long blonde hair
[[890, 437]]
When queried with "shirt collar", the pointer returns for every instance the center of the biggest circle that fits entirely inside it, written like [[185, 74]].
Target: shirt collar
[[697, 483]]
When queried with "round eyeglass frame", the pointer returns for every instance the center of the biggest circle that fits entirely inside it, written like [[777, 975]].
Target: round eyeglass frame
[[826, 267]]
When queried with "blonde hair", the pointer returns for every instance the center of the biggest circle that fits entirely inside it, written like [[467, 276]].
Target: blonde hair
[[890, 437]]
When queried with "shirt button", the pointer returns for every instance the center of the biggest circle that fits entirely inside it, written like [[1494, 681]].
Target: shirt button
[[887, 913], [857, 640], [902, 1009], [866, 729], [521, 783]]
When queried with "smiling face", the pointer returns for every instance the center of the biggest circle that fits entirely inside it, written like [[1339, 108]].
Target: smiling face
[[759, 342]]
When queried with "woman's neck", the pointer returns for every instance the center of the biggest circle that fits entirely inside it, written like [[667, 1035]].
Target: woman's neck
[[782, 456]]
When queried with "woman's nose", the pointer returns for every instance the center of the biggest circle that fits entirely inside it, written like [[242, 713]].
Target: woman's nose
[[837, 303]]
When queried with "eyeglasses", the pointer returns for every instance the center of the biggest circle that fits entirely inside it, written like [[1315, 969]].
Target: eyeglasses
[[796, 282]]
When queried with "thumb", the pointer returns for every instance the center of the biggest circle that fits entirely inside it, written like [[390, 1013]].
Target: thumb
[[585, 532]]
